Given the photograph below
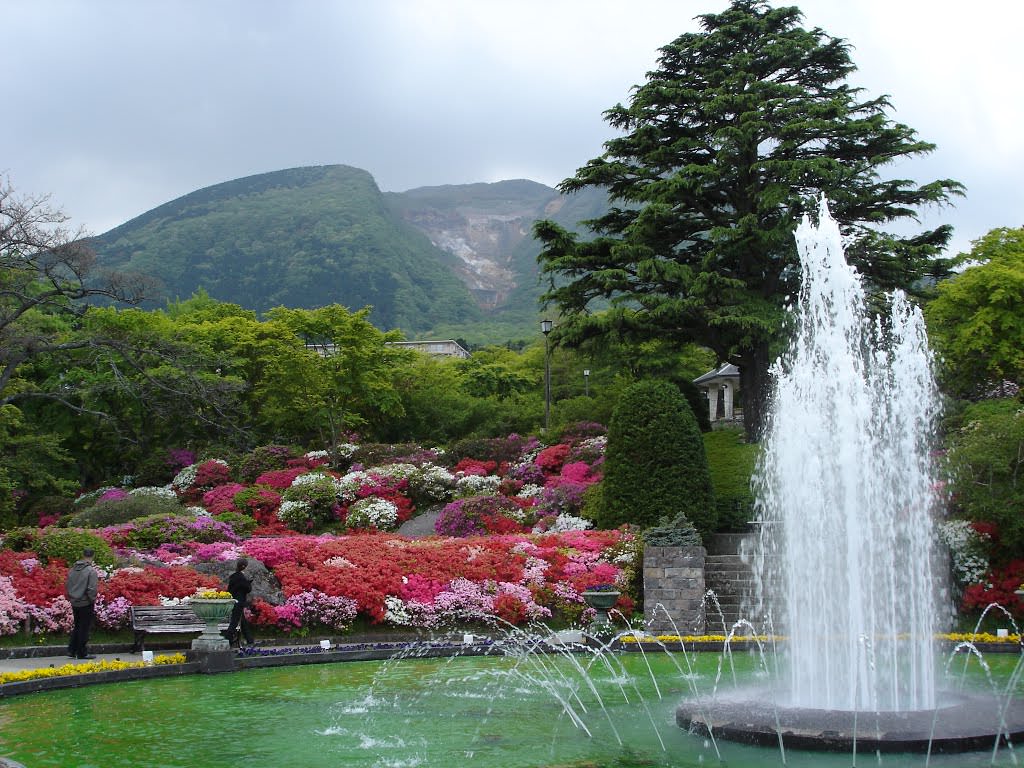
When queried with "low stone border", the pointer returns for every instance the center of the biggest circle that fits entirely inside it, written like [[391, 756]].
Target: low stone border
[[93, 678]]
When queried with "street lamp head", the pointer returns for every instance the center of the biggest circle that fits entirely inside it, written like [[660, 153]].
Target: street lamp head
[[545, 327], [586, 371]]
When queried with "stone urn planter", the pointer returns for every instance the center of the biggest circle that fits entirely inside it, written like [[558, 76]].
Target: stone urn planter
[[212, 611], [601, 601]]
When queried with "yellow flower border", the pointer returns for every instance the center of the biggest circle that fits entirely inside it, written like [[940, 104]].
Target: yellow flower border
[[85, 669]]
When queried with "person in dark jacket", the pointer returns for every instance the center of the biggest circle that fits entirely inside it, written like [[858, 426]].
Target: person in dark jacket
[[80, 588], [240, 585]]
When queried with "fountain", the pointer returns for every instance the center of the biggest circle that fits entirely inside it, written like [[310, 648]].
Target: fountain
[[846, 555]]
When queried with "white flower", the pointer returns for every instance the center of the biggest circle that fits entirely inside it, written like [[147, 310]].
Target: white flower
[[184, 479], [316, 455], [294, 513], [346, 450], [372, 512], [396, 471], [530, 491], [569, 523], [155, 491], [472, 485]]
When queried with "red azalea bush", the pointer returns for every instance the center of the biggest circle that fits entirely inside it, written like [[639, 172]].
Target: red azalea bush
[[475, 467], [145, 586], [280, 478], [551, 459], [999, 587], [221, 498], [259, 503]]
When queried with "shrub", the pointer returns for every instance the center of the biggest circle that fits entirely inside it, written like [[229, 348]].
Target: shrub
[[113, 512], [151, 532], [731, 462], [498, 449], [49, 507], [655, 468], [372, 512], [679, 533], [241, 525], [469, 516], [67, 544], [372, 454], [319, 492], [266, 458], [986, 460]]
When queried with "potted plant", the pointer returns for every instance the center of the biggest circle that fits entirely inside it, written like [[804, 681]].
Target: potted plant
[[601, 597], [212, 606]]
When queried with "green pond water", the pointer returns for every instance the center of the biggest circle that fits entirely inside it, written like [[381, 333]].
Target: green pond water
[[480, 712]]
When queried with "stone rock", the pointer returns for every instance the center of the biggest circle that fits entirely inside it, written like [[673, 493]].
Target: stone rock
[[265, 585]]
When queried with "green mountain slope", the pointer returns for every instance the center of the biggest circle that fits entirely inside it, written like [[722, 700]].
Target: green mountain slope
[[303, 238]]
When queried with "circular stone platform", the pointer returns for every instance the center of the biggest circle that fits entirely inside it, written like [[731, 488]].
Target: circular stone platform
[[967, 723]]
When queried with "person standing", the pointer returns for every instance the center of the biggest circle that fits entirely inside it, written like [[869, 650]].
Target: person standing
[[240, 585], [80, 588]]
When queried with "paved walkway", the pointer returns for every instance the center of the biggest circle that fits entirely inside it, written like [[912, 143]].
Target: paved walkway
[[42, 662]]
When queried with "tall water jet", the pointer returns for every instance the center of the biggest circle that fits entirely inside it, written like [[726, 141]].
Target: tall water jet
[[845, 493]]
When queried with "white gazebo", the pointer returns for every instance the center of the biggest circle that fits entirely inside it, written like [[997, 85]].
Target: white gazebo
[[722, 383]]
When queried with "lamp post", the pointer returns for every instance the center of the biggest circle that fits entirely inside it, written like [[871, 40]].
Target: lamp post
[[545, 328], [586, 382]]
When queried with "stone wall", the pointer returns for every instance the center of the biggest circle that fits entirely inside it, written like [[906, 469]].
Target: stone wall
[[674, 590]]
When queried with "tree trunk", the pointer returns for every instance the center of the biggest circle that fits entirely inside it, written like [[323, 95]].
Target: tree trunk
[[755, 383]]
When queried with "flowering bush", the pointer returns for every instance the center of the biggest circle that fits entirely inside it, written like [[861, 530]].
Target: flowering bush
[[154, 491], [468, 517], [551, 459], [259, 503], [13, 610], [472, 485], [222, 498], [112, 494], [297, 515], [475, 467], [432, 483], [372, 512], [999, 587], [968, 548]]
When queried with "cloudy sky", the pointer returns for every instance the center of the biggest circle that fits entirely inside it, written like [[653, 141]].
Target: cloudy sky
[[115, 106]]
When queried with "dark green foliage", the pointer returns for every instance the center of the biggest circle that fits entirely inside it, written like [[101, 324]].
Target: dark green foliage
[[678, 533], [46, 506], [67, 544], [264, 459], [731, 462], [718, 154], [300, 238], [121, 511], [655, 468], [986, 463]]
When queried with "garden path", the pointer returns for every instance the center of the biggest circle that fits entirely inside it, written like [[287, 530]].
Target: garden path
[[421, 525]]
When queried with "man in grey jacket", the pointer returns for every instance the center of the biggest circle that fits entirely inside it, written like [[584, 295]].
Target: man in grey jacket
[[80, 589]]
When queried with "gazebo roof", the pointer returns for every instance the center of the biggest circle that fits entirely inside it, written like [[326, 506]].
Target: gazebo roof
[[727, 371]]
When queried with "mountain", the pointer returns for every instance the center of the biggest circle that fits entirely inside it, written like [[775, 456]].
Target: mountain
[[459, 260], [303, 238]]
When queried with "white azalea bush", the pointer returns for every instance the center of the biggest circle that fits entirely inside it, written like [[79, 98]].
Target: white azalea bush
[[372, 512], [969, 550]]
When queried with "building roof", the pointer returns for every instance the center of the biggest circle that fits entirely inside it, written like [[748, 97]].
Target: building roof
[[727, 371]]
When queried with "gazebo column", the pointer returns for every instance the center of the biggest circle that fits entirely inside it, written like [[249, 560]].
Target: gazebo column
[[712, 394], [727, 392]]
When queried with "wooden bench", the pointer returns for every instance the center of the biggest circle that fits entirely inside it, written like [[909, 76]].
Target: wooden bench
[[152, 619]]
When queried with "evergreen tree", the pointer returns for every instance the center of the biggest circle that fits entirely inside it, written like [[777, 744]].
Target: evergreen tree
[[723, 149], [655, 470]]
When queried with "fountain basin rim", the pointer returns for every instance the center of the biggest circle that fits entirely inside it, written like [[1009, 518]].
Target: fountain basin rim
[[971, 723]]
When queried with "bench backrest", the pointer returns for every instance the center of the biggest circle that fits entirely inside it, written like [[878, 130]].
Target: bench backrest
[[163, 615]]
